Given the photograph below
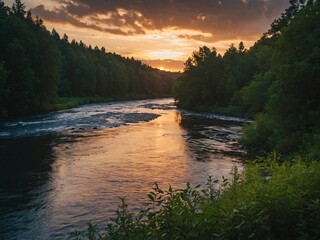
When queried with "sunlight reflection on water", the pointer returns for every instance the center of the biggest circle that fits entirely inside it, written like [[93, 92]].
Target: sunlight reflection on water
[[89, 170]]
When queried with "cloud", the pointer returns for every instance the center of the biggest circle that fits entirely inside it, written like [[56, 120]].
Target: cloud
[[61, 16], [215, 20], [197, 37]]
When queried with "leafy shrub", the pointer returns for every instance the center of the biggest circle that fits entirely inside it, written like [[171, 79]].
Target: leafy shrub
[[268, 200], [257, 133]]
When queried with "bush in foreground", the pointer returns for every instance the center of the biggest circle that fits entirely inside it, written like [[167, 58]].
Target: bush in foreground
[[267, 201]]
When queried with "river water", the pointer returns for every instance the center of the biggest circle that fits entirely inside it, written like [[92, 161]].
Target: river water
[[61, 170]]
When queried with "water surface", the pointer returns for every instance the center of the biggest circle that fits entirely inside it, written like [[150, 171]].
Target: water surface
[[61, 170]]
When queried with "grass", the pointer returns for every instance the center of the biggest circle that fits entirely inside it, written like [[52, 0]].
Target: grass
[[71, 102]]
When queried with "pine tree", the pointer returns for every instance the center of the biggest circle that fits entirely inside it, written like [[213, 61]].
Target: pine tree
[[3, 8], [18, 8]]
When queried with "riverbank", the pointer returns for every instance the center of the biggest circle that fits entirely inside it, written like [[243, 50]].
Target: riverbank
[[234, 111], [267, 200], [64, 103], [71, 102]]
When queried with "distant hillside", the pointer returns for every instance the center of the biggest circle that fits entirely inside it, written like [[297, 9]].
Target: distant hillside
[[37, 68]]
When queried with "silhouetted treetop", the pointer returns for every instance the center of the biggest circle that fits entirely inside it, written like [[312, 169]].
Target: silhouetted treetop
[[18, 8]]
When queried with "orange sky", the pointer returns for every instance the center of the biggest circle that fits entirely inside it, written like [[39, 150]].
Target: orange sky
[[163, 33]]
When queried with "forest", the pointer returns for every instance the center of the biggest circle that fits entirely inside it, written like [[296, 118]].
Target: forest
[[42, 71], [276, 82]]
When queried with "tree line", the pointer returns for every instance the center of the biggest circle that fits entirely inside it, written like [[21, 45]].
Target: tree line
[[37, 67], [276, 81]]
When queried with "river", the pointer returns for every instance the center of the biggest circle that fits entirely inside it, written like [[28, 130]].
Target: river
[[63, 169]]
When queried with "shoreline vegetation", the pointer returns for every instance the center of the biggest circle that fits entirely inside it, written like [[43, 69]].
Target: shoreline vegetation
[[72, 102], [268, 200]]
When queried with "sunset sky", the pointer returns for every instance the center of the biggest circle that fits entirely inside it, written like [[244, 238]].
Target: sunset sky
[[163, 33]]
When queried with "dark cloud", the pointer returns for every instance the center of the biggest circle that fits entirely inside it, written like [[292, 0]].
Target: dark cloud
[[61, 16], [58, 15], [223, 19]]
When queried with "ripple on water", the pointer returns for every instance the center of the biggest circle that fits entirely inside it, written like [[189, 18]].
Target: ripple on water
[[61, 170]]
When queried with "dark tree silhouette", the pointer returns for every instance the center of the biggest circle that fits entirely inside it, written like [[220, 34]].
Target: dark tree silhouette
[[277, 81], [18, 8]]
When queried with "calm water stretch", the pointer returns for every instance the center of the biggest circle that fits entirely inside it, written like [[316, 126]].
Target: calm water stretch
[[63, 169]]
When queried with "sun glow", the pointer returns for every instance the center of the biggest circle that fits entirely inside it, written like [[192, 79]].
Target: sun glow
[[166, 54], [131, 31]]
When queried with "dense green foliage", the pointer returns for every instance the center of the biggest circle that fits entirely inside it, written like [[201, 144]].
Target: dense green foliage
[[277, 81], [37, 67], [267, 201]]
